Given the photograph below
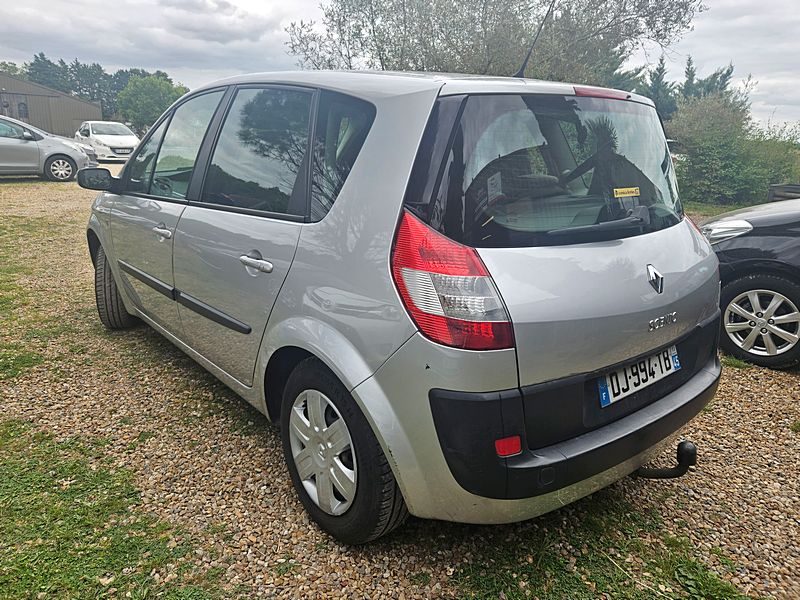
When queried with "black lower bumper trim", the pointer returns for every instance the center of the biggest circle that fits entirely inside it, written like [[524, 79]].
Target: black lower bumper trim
[[467, 425]]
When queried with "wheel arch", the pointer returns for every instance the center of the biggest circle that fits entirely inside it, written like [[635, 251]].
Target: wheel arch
[[94, 244], [759, 267], [294, 339]]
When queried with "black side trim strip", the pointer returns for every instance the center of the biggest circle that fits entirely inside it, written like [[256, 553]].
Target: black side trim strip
[[148, 280], [209, 312], [190, 302]]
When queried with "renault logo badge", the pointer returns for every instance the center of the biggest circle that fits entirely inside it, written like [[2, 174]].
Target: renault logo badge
[[656, 279]]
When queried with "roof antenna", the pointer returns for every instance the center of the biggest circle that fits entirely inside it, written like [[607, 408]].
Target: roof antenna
[[521, 72]]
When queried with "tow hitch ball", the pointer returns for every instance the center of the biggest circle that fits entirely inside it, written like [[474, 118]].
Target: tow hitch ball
[[687, 457]]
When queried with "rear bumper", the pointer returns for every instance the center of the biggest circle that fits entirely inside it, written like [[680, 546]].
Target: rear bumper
[[468, 424]]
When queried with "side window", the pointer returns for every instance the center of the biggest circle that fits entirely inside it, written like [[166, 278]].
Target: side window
[[260, 157], [9, 130], [85, 131], [175, 161], [140, 170], [342, 126]]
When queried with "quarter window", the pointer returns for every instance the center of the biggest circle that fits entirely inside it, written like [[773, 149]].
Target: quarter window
[[260, 160], [176, 158], [342, 126], [140, 171]]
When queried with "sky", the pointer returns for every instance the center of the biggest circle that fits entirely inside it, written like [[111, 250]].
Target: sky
[[197, 41]]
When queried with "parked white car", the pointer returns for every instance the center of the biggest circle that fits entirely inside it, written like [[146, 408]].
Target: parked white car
[[110, 140]]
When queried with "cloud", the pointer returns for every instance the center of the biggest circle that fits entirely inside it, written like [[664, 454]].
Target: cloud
[[194, 38], [197, 41], [759, 38]]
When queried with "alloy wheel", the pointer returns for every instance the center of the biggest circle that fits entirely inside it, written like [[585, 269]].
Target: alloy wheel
[[61, 169], [763, 322], [323, 453]]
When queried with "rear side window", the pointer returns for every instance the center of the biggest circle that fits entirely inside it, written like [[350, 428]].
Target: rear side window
[[260, 161], [182, 140], [342, 126], [530, 170]]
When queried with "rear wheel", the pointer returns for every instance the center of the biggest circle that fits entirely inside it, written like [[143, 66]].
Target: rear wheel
[[761, 320], [60, 168], [336, 464], [109, 302]]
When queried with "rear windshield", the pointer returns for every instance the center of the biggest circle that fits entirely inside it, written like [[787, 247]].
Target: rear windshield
[[532, 170]]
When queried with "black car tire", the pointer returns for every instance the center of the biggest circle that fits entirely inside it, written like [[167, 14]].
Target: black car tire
[[378, 507], [70, 169], [109, 302], [773, 283]]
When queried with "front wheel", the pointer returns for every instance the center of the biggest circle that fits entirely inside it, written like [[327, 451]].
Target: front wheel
[[60, 168], [761, 320], [336, 464], [109, 302]]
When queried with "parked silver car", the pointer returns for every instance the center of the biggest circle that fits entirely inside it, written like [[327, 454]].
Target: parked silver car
[[111, 141], [467, 298], [27, 150]]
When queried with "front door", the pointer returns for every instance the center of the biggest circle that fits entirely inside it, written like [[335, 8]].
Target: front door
[[17, 154], [146, 214], [234, 247]]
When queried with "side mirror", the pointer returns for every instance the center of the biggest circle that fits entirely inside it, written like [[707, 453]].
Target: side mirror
[[94, 178], [27, 135]]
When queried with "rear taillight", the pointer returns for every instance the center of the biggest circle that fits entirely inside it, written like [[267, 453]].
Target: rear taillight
[[447, 290]]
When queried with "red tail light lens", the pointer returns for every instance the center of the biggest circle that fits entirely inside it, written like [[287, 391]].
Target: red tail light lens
[[447, 290], [509, 446]]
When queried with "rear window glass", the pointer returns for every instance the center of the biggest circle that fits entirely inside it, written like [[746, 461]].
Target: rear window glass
[[528, 170]]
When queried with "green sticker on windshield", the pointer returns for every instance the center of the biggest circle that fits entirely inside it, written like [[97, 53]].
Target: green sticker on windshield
[[626, 192]]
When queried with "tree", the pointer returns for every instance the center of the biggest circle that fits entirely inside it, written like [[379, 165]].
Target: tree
[[143, 99], [585, 40], [726, 157], [13, 69], [689, 86], [45, 72], [659, 90]]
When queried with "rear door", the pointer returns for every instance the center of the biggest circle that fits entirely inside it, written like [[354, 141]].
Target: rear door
[[17, 154], [234, 246], [145, 215]]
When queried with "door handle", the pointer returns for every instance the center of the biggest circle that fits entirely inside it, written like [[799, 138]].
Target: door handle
[[161, 231], [259, 264]]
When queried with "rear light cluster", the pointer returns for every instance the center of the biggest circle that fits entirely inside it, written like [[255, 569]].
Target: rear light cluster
[[447, 290]]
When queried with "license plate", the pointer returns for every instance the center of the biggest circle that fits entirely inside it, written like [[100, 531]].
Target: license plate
[[631, 378], [124, 151]]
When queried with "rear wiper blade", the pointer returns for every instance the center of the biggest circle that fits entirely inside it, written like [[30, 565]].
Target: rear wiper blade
[[638, 217]]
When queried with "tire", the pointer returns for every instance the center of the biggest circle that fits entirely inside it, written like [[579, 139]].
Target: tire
[[771, 329], [376, 506], [109, 302], [60, 168]]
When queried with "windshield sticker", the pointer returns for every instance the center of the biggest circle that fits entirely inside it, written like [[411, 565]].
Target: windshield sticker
[[494, 187], [626, 192]]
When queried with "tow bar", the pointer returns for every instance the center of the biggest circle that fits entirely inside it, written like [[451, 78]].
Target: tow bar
[[687, 457]]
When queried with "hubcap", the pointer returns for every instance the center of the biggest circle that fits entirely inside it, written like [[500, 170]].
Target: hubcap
[[61, 169], [323, 452], [763, 322]]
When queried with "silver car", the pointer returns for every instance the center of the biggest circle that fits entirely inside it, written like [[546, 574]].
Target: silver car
[[27, 150], [464, 298]]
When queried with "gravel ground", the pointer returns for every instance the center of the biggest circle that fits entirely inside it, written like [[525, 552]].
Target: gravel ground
[[207, 462]]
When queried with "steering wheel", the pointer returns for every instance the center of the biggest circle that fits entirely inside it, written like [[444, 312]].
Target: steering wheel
[[582, 168]]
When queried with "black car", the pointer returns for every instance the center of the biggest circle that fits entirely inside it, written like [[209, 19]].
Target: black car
[[759, 255]]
